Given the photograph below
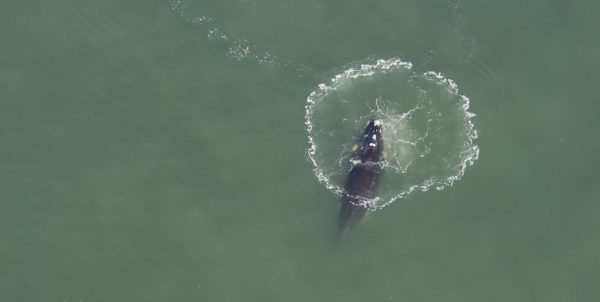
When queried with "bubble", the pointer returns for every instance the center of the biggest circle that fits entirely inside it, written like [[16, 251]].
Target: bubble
[[428, 131]]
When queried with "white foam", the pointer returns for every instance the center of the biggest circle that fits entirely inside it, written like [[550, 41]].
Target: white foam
[[467, 156], [238, 48]]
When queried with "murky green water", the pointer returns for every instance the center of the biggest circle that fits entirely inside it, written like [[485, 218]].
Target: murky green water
[[157, 151]]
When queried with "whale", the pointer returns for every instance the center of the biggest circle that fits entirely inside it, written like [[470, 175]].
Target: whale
[[363, 178]]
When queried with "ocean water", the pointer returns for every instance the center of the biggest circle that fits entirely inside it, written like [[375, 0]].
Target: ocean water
[[161, 150]]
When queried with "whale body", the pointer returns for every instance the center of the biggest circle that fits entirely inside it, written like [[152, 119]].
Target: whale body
[[363, 178]]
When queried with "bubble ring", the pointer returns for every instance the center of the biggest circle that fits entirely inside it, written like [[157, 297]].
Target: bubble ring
[[469, 151]]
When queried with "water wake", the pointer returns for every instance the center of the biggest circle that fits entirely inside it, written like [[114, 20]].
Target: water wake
[[427, 127]]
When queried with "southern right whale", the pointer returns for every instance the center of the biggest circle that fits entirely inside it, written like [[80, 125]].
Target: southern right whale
[[363, 178]]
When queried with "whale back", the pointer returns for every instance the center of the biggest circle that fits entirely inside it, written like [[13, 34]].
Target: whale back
[[363, 178]]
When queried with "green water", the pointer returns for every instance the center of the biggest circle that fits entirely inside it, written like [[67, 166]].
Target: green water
[[156, 151]]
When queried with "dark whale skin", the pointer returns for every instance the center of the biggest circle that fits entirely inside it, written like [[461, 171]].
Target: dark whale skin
[[363, 178]]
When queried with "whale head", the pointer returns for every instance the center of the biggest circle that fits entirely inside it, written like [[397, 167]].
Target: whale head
[[371, 148]]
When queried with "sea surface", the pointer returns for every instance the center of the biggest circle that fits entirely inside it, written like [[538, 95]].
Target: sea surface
[[190, 150]]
